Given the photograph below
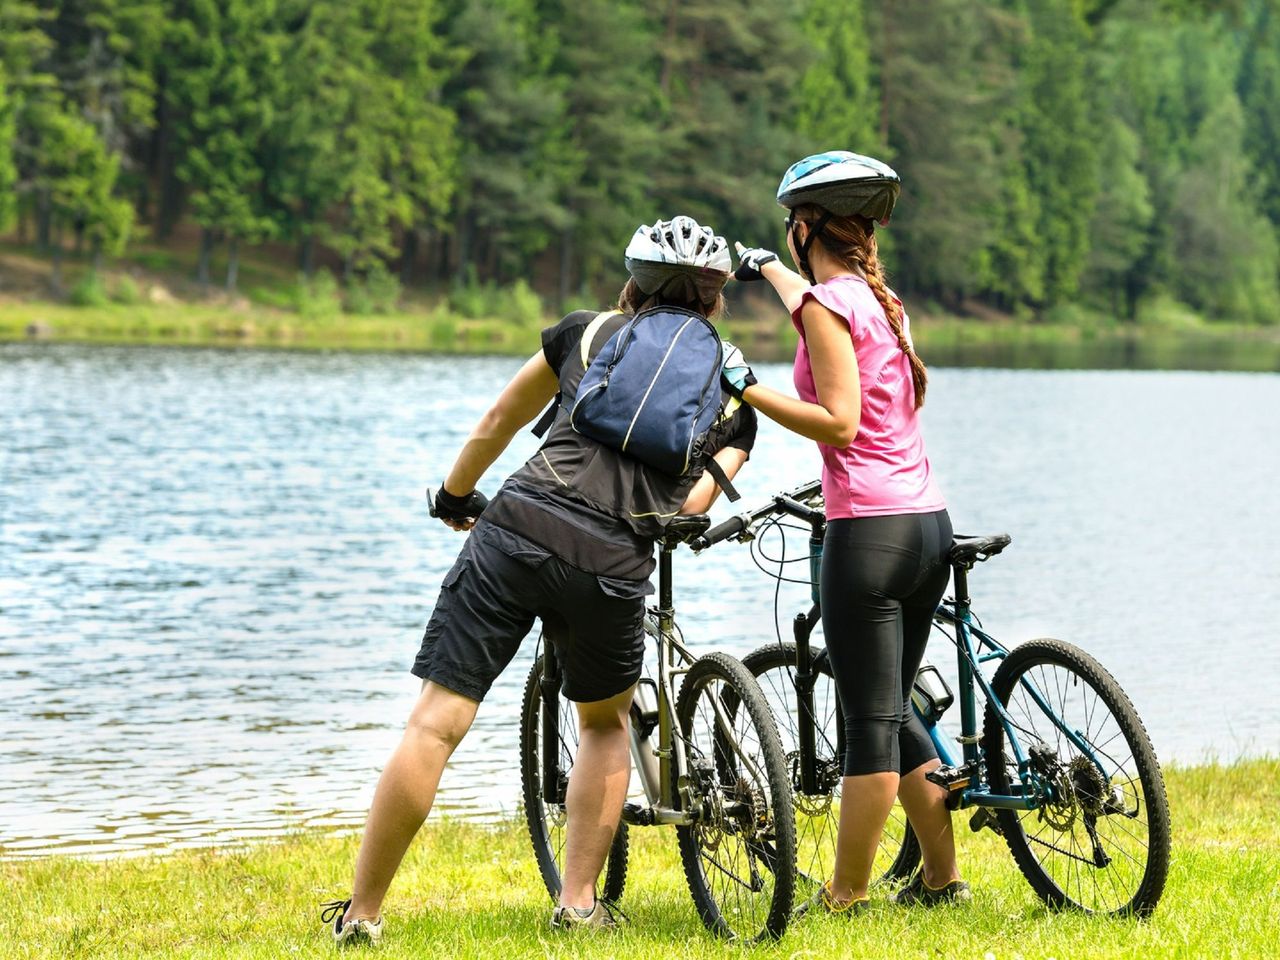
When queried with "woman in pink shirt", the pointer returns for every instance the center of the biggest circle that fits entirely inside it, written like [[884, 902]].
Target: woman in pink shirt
[[884, 561]]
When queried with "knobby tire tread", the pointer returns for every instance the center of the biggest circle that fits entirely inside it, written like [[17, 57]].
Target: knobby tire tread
[[1062, 654], [615, 869], [747, 694], [775, 656]]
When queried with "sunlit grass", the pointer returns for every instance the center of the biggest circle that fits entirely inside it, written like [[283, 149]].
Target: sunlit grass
[[473, 891]]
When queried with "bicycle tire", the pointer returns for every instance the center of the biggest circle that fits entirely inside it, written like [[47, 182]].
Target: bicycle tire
[[817, 815], [1120, 812], [546, 822], [744, 836]]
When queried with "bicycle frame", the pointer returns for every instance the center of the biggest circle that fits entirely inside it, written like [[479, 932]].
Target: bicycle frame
[[1031, 789], [974, 647], [667, 790]]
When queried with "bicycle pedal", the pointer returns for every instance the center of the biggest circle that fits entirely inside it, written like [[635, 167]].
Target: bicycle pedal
[[984, 817], [637, 815], [950, 778]]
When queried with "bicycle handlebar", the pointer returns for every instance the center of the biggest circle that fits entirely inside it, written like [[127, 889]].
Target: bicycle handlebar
[[789, 502]]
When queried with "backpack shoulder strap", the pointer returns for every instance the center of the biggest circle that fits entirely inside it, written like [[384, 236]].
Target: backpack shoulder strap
[[588, 334]]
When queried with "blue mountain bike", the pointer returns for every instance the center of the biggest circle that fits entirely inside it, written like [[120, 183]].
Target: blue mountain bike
[[1061, 767]]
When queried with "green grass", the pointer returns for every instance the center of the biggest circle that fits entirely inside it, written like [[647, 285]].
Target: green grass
[[212, 325], [472, 891]]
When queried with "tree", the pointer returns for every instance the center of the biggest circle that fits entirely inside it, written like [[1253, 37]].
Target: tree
[[835, 100], [512, 131], [1122, 216], [1259, 89], [724, 116], [1058, 149], [943, 82], [8, 168], [1227, 251], [224, 92], [611, 143]]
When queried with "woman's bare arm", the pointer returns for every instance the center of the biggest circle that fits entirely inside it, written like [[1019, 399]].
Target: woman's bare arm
[[833, 420]]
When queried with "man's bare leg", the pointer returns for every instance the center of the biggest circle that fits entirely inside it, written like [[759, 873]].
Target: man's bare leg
[[597, 790], [406, 790]]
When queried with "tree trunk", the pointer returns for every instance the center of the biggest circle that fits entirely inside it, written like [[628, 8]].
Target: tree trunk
[[566, 259], [44, 220], [206, 253], [55, 275], [348, 268], [97, 255], [307, 256], [408, 254], [233, 263]]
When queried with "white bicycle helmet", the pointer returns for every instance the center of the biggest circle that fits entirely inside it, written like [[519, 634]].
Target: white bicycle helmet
[[679, 247], [842, 182]]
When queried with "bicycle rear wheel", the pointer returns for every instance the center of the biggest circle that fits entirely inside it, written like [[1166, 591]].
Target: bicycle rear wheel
[[818, 814], [1100, 840], [739, 855], [546, 815]]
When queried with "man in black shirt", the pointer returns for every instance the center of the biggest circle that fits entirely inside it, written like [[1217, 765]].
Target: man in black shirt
[[569, 540]]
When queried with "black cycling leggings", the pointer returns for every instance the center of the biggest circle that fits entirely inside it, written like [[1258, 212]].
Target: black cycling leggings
[[882, 577]]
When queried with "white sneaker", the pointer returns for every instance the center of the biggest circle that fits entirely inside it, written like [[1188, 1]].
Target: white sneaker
[[360, 930], [599, 917]]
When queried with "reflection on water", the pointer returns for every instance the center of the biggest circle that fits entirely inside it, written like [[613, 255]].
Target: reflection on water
[[215, 567]]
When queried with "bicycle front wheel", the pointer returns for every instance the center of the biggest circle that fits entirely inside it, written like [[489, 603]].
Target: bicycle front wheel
[[818, 813], [739, 854], [545, 814], [1099, 839]]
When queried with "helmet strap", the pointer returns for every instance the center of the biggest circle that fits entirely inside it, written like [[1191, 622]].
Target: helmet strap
[[802, 251]]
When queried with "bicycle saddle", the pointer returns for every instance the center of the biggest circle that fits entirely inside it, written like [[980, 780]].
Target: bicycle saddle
[[684, 529], [970, 550]]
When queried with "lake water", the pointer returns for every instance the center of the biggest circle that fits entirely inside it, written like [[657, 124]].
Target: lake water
[[215, 568]]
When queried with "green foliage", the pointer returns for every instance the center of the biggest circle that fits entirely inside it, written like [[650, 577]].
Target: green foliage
[[126, 291], [377, 292], [317, 297], [89, 291], [835, 102], [8, 167], [484, 301], [1109, 153]]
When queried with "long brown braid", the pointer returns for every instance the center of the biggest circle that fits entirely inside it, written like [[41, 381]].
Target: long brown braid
[[852, 242]]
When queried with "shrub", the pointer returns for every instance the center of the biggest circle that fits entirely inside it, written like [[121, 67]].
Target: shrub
[[317, 297], [487, 301], [377, 292], [126, 291], [89, 291]]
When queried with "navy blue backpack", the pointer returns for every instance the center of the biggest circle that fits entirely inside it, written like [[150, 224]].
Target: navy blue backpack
[[653, 389]]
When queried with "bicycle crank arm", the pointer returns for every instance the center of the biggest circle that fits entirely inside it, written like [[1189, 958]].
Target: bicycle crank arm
[[636, 815]]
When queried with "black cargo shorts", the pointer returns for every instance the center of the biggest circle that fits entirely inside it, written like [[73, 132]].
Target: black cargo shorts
[[488, 601]]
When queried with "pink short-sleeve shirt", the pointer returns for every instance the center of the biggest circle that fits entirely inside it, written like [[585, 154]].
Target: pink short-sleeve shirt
[[884, 470]]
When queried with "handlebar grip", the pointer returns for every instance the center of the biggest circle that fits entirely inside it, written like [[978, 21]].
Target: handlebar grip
[[721, 531]]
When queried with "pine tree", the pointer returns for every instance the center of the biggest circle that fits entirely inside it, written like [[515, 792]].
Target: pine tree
[[224, 92]]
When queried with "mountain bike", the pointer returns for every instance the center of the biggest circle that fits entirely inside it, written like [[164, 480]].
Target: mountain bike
[[709, 761], [1062, 767]]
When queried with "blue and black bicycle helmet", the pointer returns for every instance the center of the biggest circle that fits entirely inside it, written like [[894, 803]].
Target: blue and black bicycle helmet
[[842, 184]]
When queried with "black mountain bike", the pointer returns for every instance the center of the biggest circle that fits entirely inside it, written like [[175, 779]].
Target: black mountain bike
[[1062, 767], [709, 761]]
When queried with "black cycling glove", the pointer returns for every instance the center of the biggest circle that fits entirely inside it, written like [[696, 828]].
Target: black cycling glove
[[750, 261], [445, 506]]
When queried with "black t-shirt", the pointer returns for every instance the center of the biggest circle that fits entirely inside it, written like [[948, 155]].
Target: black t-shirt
[[588, 537]]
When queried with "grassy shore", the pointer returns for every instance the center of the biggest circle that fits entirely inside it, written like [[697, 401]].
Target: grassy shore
[[275, 311], [473, 891]]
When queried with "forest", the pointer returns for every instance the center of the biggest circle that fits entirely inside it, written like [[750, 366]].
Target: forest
[[1055, 154]]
